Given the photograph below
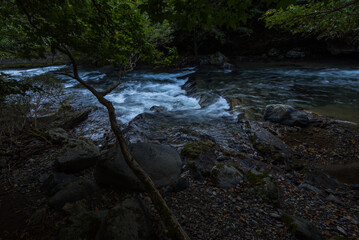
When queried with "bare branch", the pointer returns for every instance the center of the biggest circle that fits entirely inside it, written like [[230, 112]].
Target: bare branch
[[68, 74], [122, 70]]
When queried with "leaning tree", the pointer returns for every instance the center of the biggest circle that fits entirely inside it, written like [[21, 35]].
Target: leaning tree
[[103, 31]]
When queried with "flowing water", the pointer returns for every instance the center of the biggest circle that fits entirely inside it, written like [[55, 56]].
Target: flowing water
[[331, 92]]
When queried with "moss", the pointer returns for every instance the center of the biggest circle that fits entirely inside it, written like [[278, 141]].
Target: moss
[[255, 180], [259, 146], [194, 149], [192, 166], [231, 153]]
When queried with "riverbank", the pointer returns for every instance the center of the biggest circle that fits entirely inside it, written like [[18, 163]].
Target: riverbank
[[250, 207], [244, 176]]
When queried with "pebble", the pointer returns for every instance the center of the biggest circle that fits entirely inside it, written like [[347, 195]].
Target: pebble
[[341, 230]]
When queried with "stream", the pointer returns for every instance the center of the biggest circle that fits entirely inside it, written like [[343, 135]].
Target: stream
[[220, 94]]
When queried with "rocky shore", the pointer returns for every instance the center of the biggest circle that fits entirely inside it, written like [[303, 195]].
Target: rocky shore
[[228, 179]]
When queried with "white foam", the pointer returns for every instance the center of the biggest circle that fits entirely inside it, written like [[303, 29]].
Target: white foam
[[32, 72]]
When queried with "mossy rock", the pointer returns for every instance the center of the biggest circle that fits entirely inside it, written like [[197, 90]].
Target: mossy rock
[[230, 153], [301, 228], [226, 176], [256, 179], [193, 149]]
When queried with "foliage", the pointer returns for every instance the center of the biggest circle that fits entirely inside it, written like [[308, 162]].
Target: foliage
[[327, 19], [105, 31], [201, 18]]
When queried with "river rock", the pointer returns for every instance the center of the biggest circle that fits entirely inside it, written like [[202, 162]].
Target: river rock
[[72, 192], [58, 135], [76, 118], [266, 143], [77, 155], [295, 53], [226, 176], [55, 182], [126, 221], [311, 188], [217, 59], [301, 228], [161, 162], [273, 52], [285, 114]]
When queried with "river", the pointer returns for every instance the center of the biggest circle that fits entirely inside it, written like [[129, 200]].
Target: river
[[329, 91]]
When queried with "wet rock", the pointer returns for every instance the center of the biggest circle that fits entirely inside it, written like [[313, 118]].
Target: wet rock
[[58, 135], [285, 114], [273, 52], [127, 221], [207, 99], [228, 66], [161, 162], [76, 118], [158, 109], [322, 179], [295, 53], [72, 192], [55, 182], [301, 228], [217, 59], [226, 176], [77, 155], [311, 188], [81, 224], [266, 143]]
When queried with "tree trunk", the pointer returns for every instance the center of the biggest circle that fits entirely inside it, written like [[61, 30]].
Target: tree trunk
[[175, 230]]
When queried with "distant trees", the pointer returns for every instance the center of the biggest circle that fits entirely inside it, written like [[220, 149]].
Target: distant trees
[[199, 17]]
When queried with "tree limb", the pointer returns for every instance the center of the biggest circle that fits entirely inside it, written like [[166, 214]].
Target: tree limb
[[174, 228]]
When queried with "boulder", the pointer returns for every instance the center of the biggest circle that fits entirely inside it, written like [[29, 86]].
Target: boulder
[[58, 135], [55, 182], [301, 228], [217, 59], [285, 114], [126, 221], [72, 192], [76, 118], [268, 144], [161, 162], [77, 155], [295, 53], [226, 176]]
